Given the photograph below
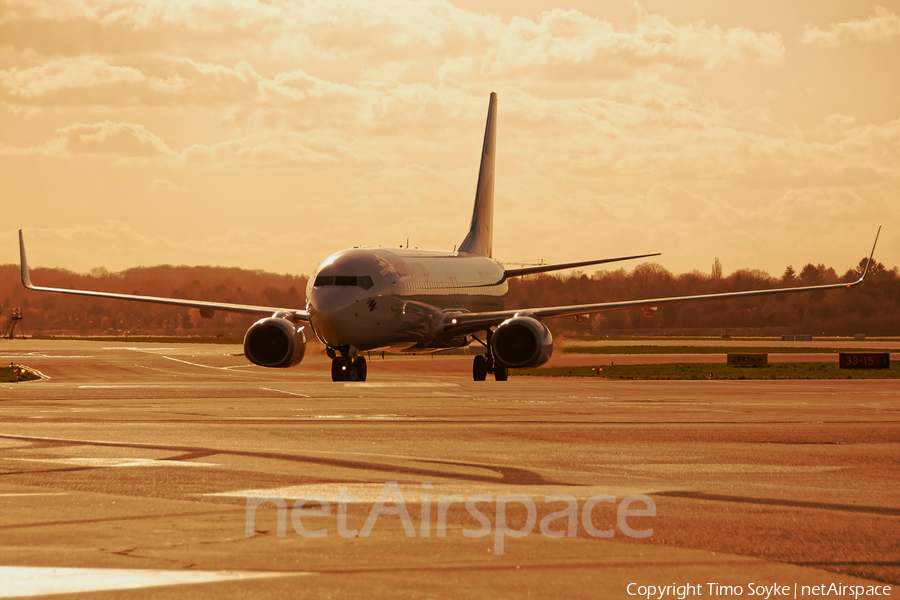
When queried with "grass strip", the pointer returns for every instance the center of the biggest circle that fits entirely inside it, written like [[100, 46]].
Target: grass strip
[[699, 371], [711, 350]]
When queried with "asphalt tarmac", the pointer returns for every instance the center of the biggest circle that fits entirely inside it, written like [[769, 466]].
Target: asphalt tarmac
[[174, 471]]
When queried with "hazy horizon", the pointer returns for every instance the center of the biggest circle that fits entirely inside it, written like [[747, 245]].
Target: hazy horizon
[[267, 136]]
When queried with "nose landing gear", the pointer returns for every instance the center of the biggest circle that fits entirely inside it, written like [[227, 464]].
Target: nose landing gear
[[349, 366]]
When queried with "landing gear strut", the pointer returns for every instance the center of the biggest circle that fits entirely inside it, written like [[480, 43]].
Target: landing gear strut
[[485, 364], [346, 367]]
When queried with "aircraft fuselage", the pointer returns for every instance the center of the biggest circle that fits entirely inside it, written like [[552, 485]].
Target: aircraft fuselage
[[399, 298]]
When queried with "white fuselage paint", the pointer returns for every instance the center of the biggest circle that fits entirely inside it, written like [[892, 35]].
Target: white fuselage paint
[[413, 294]]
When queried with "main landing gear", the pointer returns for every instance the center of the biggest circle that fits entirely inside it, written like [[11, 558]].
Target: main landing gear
[[346, 367], [485, 365]]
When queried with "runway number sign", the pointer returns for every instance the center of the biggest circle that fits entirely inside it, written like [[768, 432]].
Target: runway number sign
[[865, 360], [748, 360]]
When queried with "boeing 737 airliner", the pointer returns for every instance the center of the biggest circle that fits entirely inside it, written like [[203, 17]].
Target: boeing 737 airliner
[[411, 300]]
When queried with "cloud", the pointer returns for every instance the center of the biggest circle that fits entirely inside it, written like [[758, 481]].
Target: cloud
[[129, 82], [372, 113], [882, 27], [117, 246], [273, 149], [122, 140], [117, 139], [163, 185], [68, 73], [372, 33]]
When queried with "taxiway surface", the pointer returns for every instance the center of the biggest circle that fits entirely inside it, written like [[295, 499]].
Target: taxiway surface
[[139, 470]]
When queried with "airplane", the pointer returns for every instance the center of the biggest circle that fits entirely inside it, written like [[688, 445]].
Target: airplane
[[419, 301]]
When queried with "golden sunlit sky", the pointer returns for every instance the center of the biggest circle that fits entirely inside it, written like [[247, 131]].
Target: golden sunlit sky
[[267, 135]]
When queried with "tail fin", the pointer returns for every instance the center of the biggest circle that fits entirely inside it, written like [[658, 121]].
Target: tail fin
[[479, 239]]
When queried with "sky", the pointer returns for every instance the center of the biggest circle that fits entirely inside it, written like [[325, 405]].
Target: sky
[[267, 135]]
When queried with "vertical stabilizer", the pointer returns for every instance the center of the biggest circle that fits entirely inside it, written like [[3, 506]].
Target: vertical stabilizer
[[479, 239]]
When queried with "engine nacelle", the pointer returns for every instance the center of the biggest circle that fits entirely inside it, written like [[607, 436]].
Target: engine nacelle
[[274, 342], [522, 342]]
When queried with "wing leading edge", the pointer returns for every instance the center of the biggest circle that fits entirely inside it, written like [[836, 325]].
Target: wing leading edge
[[559, 267], [206, 308], [465, 323]]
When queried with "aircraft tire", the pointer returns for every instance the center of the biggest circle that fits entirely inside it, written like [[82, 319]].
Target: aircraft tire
[[358, 369], [479, 368], [337, 372], [500, 373]]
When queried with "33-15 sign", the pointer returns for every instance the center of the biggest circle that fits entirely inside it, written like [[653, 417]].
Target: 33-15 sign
[[865, 360]]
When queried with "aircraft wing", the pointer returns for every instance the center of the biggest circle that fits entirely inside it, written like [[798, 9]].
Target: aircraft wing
[[465, 323], [559, 267], [207, 309]]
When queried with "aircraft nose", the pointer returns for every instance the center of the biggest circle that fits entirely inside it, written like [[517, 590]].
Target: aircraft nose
[[329, 303], [333, 314]]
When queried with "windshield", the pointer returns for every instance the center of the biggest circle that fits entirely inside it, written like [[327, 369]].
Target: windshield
[[364, 281]]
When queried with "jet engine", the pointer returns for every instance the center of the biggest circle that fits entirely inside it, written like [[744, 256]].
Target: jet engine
[[522, 342], [274, 342]]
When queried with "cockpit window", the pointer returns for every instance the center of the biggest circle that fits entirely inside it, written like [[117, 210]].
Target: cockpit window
[[365, 281]]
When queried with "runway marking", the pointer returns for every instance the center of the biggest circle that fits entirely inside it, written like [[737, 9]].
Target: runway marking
[[856, 508], [41, 355], [118, 462], [204, 366], [35, 494], [285, 392], [367, 493], [363, 417], [136, 349], [124, 386], [399, 384], [39, 581], [678, 468]]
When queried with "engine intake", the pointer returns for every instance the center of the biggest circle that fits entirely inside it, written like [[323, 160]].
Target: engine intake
[[274, 342], [522, 342]]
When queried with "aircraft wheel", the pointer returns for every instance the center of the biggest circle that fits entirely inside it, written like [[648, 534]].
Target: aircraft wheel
[[358, 369], [480, 368], [500, 373], [338, 373]]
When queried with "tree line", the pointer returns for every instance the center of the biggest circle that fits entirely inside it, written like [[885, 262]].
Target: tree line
[[871, 308]]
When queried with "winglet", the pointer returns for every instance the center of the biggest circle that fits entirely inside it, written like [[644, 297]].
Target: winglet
[[479, 238], [869, 262], [26, 279]]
